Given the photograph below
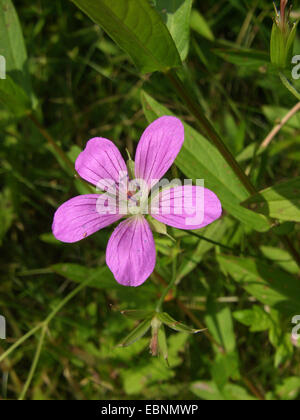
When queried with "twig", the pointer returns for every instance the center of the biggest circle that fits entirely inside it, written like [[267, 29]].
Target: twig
[[279, 126]]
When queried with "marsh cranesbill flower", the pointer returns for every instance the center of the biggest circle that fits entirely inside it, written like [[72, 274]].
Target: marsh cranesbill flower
[[130, 253]]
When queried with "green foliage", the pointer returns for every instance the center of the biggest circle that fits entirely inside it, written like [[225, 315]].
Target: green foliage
[[280, 201], [214, 320], [137, 29]]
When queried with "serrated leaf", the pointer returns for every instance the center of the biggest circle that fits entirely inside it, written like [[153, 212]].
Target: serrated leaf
[[256, 318], [138, 29]]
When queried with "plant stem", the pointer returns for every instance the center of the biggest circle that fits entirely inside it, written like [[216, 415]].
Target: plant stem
[[51, 141], [199, 324], [279, 126], [289, 86], [170, 285], [209, 131], [20, 341], [44, 326], [207, 128], [289, 244], [58, 149], [67, 299], [34, 363]]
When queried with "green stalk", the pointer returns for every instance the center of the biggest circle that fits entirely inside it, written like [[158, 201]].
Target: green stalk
[[169, 287], [289, 86], [34, 363], [43, 325]]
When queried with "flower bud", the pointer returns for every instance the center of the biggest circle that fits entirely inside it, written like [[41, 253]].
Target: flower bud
[[282, 37]]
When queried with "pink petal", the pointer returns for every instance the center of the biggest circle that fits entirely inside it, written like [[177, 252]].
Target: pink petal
[[99, 161], [130, 253], [157, 149], [186, 207], [81, 217]]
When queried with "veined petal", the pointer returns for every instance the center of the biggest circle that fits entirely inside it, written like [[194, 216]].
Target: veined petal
[[82, 216], [130, 253], [186, 207], [157, 149], [101, 163]]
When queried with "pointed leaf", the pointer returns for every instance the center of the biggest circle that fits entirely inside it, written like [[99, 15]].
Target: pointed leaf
[[282, 201], [270, 285], [12, 48], [175, 325], [176, 15], [137, 333], [138, 29], [137, 314]]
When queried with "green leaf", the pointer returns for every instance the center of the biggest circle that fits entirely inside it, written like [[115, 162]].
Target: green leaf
[[200, 25], [6, 213], [225, 367], [162, 342], [175, 325], [256, 318], [13, 97], [176, 15], [281, 258], [12, 47], [138, 29], [281, 201], [270, 285], [289, 389], [209, 391], [137, 333], [215, 232], [219, 322], [137, 314], [243, 57], [199, 159], [78, 273]]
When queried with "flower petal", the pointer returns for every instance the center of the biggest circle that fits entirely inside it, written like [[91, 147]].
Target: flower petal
[[130, 253], [157, 149], [99, 161], [82, 216], [186, 207]]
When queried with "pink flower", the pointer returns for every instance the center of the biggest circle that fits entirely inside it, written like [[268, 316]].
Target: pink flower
[[130, 253]]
